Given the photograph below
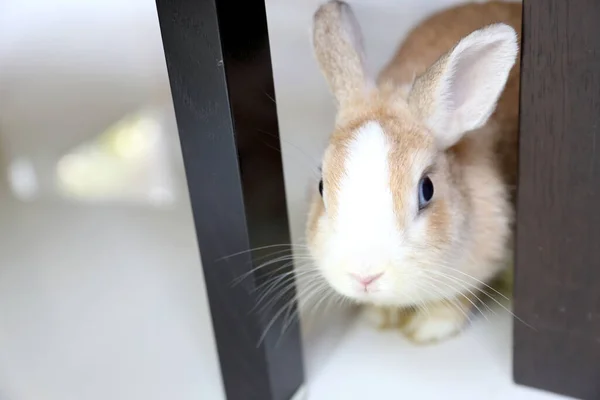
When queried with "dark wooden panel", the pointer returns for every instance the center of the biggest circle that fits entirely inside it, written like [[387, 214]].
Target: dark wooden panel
[[557, 277], [218, 58]]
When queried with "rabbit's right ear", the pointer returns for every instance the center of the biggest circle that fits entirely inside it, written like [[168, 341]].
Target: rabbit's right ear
[[338, 46], [459, 92]]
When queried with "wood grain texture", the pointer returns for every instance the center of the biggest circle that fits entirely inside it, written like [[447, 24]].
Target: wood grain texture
[[557, 276], [222, 86]]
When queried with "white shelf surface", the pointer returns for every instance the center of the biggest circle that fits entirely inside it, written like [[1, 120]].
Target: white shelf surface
[[370, 364]]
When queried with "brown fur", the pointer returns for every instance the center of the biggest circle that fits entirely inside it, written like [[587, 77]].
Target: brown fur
[[439, 33]]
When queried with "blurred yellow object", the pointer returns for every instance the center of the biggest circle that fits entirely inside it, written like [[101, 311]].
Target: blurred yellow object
[[129, 138], [113, 165]]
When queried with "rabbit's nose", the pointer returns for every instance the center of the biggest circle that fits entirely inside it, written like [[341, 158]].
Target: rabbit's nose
[[366, 280]]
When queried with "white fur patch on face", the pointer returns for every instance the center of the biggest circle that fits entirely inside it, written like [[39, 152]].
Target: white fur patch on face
[[366, 225]]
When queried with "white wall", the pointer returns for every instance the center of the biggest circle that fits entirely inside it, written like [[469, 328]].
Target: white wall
[[63, 61]]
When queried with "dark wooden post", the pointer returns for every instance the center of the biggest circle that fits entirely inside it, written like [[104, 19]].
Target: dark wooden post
[[557, 287], [219, 64]]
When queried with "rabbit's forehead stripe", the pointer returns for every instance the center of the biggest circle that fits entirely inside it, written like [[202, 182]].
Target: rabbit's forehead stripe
[[365, 204], [376, 165]]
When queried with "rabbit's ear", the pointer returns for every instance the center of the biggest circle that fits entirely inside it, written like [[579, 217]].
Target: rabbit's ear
[[338, 46], [460, 91]]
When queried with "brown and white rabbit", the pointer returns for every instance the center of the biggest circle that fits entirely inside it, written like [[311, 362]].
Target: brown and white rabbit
[[415, 206]]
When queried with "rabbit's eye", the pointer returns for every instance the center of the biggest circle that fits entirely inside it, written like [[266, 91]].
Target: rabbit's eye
[[425, 192], [321, 187]]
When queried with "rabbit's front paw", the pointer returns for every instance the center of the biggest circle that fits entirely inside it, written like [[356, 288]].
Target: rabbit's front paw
[[385, 318], [435, 323]]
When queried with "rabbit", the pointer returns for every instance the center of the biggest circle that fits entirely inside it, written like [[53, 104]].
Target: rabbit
[[415, 206]]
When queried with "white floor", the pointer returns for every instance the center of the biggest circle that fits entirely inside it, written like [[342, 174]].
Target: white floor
[[369, 364], [349, 359]]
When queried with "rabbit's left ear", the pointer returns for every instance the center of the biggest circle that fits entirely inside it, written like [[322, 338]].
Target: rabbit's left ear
[[460, 91]]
